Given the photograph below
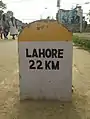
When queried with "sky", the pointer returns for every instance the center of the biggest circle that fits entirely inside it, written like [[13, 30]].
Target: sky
[[31, 10]]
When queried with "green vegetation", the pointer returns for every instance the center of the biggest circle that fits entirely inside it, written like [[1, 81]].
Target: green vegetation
[[82, 42], [2, 5]]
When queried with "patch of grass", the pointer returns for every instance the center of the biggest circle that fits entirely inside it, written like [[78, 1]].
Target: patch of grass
[[82, 42]]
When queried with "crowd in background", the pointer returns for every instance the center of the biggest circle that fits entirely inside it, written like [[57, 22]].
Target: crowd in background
[[8, 27]]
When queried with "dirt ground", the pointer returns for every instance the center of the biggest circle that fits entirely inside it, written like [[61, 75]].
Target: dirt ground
[[12, 108]]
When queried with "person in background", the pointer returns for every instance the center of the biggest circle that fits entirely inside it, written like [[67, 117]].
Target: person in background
[[1, 32], [5, 27], [13, 28], [85, 24]]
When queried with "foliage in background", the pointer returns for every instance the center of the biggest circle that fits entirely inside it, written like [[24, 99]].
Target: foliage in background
[[2, 5], [82, 42]]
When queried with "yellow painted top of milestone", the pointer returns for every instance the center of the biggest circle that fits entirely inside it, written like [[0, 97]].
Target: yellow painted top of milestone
[[44, 30]]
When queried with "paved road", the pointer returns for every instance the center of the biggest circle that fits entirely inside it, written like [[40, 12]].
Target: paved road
[[83, 35], [12, 108]]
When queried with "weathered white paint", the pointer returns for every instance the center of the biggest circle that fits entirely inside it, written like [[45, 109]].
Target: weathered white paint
[[42, 84]]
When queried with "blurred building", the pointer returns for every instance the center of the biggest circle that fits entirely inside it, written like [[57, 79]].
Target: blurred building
[[71, 18]]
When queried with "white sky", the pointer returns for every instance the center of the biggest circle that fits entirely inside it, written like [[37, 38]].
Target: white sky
[[29, 10]]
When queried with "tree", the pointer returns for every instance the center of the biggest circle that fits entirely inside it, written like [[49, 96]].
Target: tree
[[2, 5], [48, 17]]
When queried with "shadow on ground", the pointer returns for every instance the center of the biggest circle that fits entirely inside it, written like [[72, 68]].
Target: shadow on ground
[[51, 109]]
